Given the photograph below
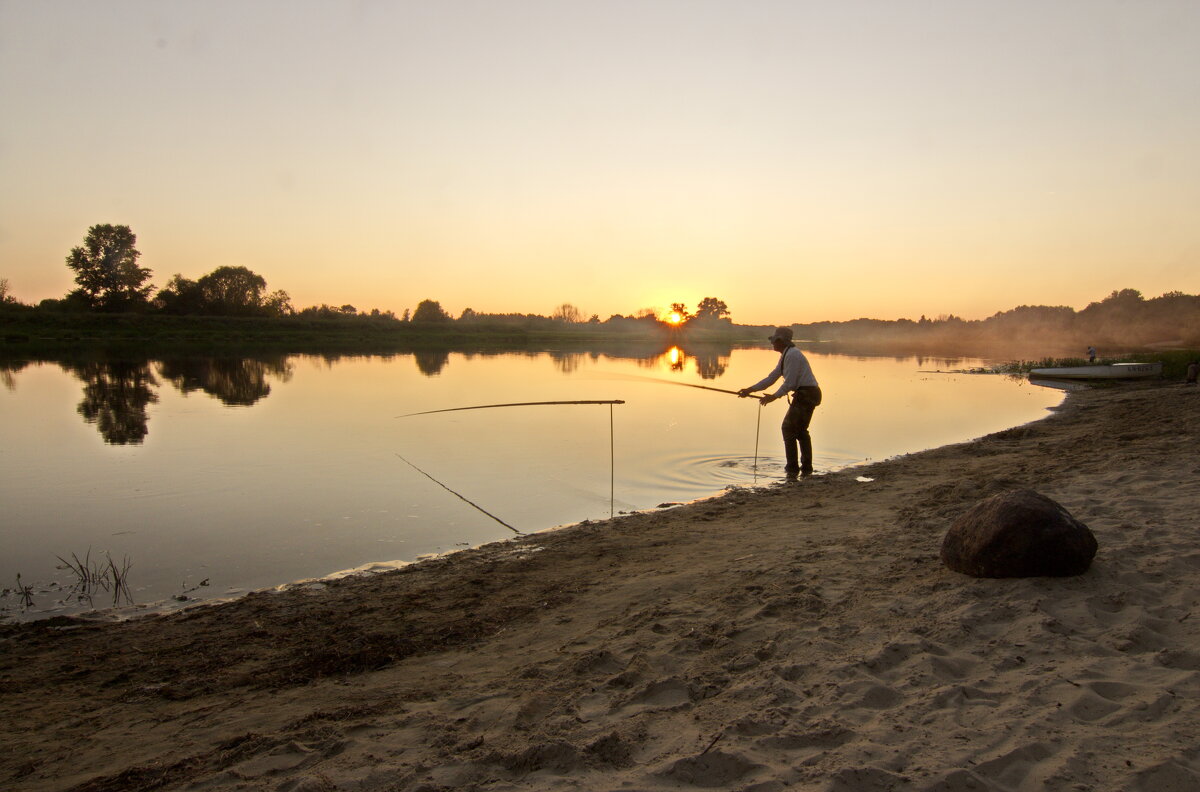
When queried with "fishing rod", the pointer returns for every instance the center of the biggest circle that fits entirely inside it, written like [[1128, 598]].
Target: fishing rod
[[693, 385], [517, 404], [460, 497], [673, 382]]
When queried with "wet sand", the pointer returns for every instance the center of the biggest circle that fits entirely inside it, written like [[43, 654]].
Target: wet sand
[[804, 637]]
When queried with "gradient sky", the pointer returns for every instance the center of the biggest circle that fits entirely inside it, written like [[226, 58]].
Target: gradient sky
[[801, 160]]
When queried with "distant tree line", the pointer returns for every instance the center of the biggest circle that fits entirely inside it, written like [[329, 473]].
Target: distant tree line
[[1123, 320], [110, 279]]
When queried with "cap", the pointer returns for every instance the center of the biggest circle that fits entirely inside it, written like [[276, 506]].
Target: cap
[[782, 334]]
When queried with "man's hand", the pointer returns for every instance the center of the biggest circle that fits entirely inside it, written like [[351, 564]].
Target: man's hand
[[767, 399], [744, 392]]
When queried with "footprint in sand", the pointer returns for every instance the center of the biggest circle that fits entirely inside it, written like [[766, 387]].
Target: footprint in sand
[[556, 756], [1011, 769], [1173, 775], [1181, 659], [714, 769], [288, 756], [865, 779], [664, 694], [597, 662], [951, 668], [878, 697], [961, 781], [829, 736], [1086, 706]]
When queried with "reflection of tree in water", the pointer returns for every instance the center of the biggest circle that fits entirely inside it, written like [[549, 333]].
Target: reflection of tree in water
[[235, 381], [430, 362], [711, 365], [711, 359], [115, 395], [567, 362], [7, 369]]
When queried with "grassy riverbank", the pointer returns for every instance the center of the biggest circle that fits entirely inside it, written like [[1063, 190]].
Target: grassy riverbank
[[36, 334]]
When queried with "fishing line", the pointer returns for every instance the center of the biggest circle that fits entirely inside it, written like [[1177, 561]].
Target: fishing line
[[757, 430], [460, 497]]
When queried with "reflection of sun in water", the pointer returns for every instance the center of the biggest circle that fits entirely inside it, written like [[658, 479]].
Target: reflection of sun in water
[[675, 358]]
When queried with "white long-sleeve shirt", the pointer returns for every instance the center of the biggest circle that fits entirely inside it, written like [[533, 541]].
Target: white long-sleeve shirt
[[794, 369]]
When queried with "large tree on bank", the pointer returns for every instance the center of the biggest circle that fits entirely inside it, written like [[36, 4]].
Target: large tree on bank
[[711, 308], [430, 312], [233, 291], [107, 271], [226, 291]]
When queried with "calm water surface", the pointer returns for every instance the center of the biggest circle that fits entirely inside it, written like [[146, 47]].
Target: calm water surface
[[253, 473]]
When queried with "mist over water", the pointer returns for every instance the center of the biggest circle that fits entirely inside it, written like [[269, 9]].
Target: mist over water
[[252, 472]]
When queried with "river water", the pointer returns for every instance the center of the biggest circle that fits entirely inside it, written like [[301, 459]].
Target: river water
[[212, 477]]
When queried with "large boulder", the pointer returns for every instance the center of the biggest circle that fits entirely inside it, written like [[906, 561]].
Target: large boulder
[[1018, 534]]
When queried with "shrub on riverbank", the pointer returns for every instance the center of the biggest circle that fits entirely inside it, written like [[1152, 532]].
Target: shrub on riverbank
[[1175, 362]]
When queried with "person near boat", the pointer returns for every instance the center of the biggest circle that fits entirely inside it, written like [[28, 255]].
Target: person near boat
[[800, 383], [1091, 354]]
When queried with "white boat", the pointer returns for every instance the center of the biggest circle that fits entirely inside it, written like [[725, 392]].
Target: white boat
[[1114, 371]]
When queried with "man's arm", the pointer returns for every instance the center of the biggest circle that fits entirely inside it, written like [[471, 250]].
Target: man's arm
[[789, 369], [775, 374]]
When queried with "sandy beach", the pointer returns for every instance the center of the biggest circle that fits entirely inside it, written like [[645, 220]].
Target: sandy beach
[[802, 636]]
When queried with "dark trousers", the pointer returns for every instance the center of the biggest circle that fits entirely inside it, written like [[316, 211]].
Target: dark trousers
[[795, 429]]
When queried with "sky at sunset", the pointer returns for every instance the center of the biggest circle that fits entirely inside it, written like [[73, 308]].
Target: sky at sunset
[[802, 160]]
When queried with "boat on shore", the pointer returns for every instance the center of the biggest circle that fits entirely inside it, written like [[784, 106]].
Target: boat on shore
[[1113, 371]]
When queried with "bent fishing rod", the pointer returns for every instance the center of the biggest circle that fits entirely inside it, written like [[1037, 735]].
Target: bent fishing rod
[[514, 404], [661, 381]]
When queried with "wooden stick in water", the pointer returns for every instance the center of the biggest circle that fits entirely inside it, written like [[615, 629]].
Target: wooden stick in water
[[515, 404]]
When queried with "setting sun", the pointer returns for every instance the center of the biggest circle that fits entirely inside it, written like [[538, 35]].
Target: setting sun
[[674, 318]]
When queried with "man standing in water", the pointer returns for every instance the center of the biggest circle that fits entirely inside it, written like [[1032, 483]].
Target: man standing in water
[[798, 380]]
